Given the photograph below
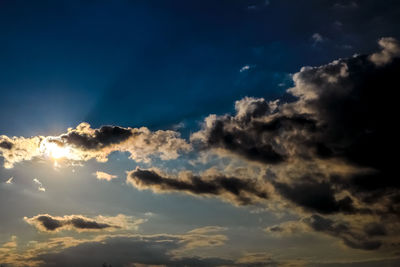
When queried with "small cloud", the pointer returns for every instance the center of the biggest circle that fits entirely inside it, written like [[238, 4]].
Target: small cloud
[[346, 46], [9, 181], [149, 214], [258, 6], [104, 176], [41, 187], [178, 126], [317, 38], [350, 5], [390, 49], [245, 68], [338, 24]]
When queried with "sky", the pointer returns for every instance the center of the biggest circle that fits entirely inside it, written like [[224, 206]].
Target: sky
[[199, 133]]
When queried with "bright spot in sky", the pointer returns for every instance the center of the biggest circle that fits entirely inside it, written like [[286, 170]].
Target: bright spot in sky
[[56, 151]]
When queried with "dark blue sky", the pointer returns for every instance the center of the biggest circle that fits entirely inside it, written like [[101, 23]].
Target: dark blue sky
[[158, 63]]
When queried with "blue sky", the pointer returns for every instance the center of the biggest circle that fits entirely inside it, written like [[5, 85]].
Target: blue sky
[[103, 59], [168, 66]]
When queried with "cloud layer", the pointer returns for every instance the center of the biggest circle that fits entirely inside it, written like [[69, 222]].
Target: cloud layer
[[119, 250]]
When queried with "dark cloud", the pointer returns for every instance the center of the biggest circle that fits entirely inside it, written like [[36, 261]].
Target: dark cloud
[[344, 231], [343, 112], [81, 223], [375, 229], [127, 251], [315, 196], [239, 135], [239, 191], [330, 148], [132, 249], [6, 144], [98, 138], [50, 223]]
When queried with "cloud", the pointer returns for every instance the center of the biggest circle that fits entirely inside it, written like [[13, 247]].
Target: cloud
[[329, 127], [356, 234], [346, 5], [239, 134], [5, 144], [104, 176], [327, 148], [245, 68], [84, 143], [40, 185], [122, 250], [17, 149], [8, 250], [235, 190], [390, 50], [350, 236], [317, 38], [315, 196], [48, 223], [260, 5]]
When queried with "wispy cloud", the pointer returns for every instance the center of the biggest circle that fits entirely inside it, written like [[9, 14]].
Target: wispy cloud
[[10, 180], [104, 176], [246, 68], [40, 185], [317, 38]]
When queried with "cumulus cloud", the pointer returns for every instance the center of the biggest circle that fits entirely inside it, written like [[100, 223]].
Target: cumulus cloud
[[235, 190], [390, 50], [48, 223], [104, 176], [239, 134], [326, 149], [84, 143], [18, 149]]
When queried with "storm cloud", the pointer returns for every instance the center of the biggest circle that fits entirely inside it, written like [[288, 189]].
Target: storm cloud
[[342, 117], [328, 147]]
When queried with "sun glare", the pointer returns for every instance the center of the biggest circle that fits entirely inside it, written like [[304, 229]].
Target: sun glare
[[55, 151]]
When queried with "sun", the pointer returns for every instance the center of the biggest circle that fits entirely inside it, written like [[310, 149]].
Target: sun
[[56, 151]]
